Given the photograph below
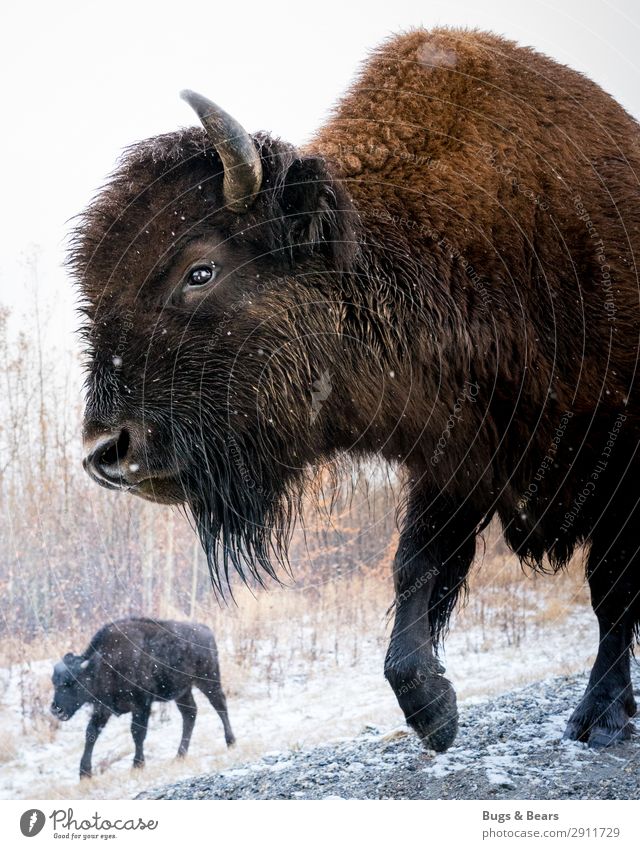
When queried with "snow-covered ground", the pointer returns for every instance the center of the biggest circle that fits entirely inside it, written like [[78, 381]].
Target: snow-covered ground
[[509, 746], [313, 704]]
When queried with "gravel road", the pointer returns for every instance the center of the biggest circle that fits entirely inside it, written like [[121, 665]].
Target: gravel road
[[507, 748]]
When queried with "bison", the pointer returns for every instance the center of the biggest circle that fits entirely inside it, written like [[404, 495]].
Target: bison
[[444, 277], [131, 663]]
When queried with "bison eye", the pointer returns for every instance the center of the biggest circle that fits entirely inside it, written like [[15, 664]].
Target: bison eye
[[200, 275]]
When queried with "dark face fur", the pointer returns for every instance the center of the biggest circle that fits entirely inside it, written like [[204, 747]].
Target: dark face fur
[[209, 331], [70, 692]]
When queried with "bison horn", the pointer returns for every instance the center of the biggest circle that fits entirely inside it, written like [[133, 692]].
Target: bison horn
[[235, 147]]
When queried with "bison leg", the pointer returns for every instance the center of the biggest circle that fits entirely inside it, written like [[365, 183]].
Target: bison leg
[[139, 724], [99, 719], [437, 546], [188, 708], [213, 691], [603, 715]]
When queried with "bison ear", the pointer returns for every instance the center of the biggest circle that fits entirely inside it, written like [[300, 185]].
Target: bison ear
[[69, 657], [309, 203]]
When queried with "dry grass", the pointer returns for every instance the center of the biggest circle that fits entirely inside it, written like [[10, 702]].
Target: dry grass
[[508, 599], [336, 620]]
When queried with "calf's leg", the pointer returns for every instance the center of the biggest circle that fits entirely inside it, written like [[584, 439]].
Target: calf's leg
[[213, 691], [99, 719], [188, 708], [613, 569], [139, 724], [437, 546]]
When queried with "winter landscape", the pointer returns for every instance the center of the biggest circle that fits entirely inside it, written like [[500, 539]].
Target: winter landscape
[[404, 340], [302, 667]]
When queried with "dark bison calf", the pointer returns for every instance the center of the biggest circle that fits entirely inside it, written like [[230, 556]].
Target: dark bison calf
[[130, 664]]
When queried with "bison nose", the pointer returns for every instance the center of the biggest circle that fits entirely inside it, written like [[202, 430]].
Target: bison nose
[[106, 459]]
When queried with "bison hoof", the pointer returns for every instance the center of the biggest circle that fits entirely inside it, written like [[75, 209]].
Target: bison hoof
[[138, 764], [85, 773], [230, 741], [600, 722], [430, 708]]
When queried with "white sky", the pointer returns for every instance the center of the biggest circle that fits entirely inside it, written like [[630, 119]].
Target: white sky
[[83, 79]]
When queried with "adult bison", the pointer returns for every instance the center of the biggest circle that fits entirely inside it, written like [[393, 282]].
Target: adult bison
[[131, 663], [444, 277]]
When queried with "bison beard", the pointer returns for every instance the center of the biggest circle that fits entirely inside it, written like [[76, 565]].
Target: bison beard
[[457, 247], [243, 523]]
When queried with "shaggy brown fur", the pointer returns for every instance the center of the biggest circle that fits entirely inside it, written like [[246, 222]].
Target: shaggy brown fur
[[445, 277]]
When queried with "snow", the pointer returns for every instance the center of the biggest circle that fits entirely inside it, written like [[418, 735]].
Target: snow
[[313, 704], [499, 778]]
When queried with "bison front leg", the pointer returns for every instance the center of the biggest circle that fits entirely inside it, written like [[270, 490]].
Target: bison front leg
[[139, 724], [437, 546], [188, 708], [99, 719]]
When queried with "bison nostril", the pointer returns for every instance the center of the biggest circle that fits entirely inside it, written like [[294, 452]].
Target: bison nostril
[[104, 460], [115, 451]]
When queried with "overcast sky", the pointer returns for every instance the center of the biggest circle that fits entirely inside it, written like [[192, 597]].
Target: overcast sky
[[83, 79]]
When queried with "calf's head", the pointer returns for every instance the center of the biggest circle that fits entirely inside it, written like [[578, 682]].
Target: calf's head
[[212, 270], [70, 680]]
